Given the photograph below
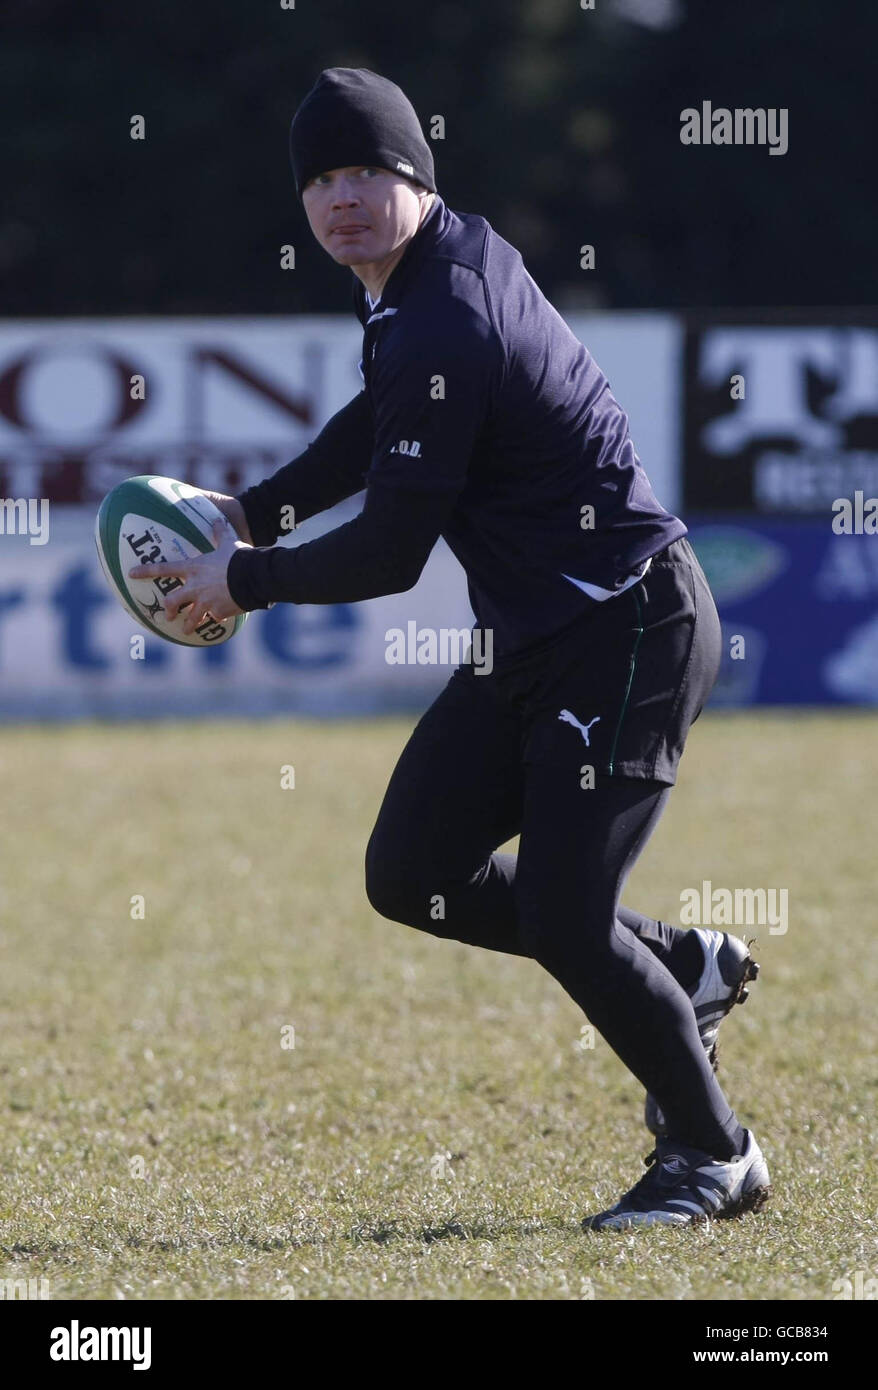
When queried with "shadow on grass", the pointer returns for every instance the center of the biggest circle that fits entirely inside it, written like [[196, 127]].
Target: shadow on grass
[[365, 1232], [382, 1233]]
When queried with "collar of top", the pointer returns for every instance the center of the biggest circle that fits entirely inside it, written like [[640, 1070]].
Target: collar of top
[[420, 246]]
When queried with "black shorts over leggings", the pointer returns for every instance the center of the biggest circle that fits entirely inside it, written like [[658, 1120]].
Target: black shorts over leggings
[[635, 670]]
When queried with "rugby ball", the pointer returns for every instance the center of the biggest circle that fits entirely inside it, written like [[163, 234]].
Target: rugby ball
[[150, 519]]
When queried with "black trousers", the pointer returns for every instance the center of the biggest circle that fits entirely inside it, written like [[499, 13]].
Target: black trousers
[[573, 745]]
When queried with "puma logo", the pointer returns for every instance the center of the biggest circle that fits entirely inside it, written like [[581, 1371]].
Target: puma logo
[[583, 728]]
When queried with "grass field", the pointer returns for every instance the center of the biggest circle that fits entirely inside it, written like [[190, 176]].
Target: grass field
[[436, 1131]]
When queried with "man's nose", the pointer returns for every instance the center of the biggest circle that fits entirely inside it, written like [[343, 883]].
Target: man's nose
[[345, 193]]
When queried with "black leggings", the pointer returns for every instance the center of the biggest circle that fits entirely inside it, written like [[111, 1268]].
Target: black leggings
[[459, 790]]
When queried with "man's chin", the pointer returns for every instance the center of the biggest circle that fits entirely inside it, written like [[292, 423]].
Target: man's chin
[[348, 255]]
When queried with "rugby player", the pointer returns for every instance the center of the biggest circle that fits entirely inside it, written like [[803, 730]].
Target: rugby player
[[483, 419]]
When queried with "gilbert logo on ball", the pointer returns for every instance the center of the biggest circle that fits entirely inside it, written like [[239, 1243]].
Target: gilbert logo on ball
[[148, 520]]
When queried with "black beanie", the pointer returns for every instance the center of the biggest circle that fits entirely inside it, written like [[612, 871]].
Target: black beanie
[[353, 116]]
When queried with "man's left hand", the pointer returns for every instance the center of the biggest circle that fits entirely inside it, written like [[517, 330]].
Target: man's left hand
[[204, 580]]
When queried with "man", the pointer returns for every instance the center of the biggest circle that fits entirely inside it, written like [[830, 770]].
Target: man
[[485, 421]]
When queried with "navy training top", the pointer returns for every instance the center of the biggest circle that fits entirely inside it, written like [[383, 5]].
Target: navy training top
[[484, 420]]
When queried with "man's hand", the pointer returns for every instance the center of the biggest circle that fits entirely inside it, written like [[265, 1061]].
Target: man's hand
[[204, 589], [231, 509]]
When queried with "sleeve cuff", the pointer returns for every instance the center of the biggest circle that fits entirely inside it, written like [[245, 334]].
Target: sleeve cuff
[[243, 575], [260, 526]]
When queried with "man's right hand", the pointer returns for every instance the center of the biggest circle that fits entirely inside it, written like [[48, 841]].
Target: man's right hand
[[233, 511]]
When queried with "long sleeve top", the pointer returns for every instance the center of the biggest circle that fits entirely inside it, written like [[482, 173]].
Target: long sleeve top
[[482, 419]]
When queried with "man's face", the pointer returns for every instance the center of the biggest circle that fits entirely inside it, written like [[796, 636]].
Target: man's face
[[361, 214]]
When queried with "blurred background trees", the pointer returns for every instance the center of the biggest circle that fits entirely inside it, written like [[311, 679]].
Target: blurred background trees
[[561, 127]]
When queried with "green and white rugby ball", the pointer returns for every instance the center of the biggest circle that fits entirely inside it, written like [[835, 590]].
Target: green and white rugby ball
[[150, 519]]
